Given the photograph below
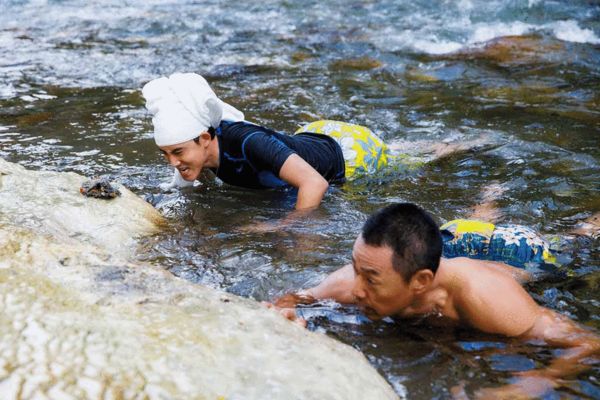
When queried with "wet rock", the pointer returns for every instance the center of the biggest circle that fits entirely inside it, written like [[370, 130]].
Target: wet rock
[[51, 204], [414, 74], [359, 64], [33, 119], [519, 95], [80, 319], [99, 188], [516, 50], [300, 56]]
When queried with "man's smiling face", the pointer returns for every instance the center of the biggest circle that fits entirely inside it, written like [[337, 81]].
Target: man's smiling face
[[188, 157], [379, 290]]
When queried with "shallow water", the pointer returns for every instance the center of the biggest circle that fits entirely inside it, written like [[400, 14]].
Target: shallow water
[[522, 75]]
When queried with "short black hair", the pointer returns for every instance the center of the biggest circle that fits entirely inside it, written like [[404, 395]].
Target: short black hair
[[410, 232], [210, 130]]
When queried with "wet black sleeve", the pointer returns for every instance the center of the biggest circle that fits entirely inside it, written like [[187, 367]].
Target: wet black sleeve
[[265, 151]]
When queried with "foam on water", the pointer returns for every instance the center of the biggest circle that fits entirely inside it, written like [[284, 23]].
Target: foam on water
[[570, 31], [486, 32], [430, 45], [87, 45], [431, 42]]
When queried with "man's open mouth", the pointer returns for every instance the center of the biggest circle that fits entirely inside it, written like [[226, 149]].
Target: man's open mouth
[[367, 310]]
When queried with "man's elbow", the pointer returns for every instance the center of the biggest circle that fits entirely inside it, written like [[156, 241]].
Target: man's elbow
[[321, 185], [316, 185], [311, 192]]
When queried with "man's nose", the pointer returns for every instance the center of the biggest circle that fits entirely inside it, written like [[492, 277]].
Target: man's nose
[[357, 289], [172, 160]]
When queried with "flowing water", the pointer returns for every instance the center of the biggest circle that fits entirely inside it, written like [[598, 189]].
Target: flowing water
[[522, 75]]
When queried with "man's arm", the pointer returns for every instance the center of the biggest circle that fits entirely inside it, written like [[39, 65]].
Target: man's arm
[[496, 303], [265, 152], [492, 301], [311, 185], [311, 189], [556, 330], [559, 331], [336, 286]]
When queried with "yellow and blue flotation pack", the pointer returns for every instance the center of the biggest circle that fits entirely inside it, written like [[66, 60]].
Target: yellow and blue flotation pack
[[364, 152], [515, 245]]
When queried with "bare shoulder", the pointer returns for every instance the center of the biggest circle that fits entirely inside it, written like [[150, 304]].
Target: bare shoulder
[[467, 267], [488, 298], [470, 279]]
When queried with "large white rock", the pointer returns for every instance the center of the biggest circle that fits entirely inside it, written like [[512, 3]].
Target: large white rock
[[80, 320], [50, 203]]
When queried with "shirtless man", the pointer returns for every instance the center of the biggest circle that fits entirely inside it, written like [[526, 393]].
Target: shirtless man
[[397, 271]]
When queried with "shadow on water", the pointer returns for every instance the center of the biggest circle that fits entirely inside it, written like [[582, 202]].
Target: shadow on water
[[518, 77]]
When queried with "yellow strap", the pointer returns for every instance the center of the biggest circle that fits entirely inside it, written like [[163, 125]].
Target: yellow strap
[[460, 226]]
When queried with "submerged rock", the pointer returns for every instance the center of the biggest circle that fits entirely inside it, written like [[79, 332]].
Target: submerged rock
[[80, 319], [359, 64], [516, 50]]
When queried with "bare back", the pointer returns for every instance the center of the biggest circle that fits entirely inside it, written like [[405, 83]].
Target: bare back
[[485, 295]]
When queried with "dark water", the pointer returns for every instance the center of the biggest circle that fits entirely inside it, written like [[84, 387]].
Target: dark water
[[521, 74]]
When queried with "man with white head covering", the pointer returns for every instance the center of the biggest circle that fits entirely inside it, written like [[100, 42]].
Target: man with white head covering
[[194, 129]]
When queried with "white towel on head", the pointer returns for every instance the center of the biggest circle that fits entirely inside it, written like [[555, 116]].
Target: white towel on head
[[183, 106]]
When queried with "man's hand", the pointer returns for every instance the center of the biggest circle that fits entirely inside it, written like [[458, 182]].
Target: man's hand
[[528, 385], [288, 313], [176, 182], [296, 217], [260, 227], [291, 300], [286, 305]]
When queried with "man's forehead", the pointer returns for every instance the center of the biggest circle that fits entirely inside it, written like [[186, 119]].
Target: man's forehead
[[361, 245], [363, 268], [176, 146], [372, 258]]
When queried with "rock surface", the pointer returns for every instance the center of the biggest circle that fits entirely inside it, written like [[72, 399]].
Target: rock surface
[[50, 203], [516, 50], [80, 319]]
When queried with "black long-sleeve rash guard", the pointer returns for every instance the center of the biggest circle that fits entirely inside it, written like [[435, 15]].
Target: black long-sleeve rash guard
[[251, 156]]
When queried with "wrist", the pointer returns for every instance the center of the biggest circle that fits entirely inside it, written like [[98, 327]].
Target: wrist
[[305, 296]]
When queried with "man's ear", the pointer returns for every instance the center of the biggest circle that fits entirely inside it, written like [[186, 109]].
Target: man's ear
[[205, 138], [421, 280]]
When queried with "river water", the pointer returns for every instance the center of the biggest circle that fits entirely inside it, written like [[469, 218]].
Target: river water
[[521, 76]]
